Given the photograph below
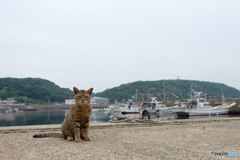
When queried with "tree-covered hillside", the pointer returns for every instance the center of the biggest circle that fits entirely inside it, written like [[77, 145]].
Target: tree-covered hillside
[[36, 90], [33, 90], [180, 88]]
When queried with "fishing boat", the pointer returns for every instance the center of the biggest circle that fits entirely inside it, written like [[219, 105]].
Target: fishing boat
[[127, 108], [154, 106], [200, 107]]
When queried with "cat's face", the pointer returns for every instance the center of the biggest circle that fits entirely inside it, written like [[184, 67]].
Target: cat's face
[[82, 96]]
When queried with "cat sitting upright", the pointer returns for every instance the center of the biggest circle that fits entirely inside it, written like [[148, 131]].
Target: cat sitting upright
[[76, 123]]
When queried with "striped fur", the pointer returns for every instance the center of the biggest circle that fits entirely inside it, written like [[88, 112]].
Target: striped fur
[[50, 135]]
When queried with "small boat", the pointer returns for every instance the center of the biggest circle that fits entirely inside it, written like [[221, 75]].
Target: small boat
[[127, 108], [155, 106], [200, 107], [203, 112]]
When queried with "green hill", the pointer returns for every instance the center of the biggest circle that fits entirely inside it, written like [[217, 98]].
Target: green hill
[[180, 88], [36, 90], [33, 90]]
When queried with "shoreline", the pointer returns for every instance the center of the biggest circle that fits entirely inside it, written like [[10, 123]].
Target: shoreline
[[120, 125]]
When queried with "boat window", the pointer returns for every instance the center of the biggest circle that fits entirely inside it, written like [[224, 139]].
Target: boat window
[[154, 105]]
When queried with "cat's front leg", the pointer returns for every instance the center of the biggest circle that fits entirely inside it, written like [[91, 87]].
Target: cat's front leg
[[84, 132], [76, 130]]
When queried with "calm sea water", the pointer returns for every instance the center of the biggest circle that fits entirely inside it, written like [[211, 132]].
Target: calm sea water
[[57, 116], [22, 118]]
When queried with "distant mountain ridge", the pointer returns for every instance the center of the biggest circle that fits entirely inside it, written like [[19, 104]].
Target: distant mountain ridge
[[33, 90], [41, 91], [180, 88]]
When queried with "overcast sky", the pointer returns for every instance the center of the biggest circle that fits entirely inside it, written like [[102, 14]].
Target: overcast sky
[[105, 43]]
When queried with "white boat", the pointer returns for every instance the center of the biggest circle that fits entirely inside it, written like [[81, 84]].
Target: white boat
[[202, 108], [127, 108], [204, 112], [155, 106]]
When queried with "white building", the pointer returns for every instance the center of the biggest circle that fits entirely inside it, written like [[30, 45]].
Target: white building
[[100, 100], [69, 101], [8, 101]]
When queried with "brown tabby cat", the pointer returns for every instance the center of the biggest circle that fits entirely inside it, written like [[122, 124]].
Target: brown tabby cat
[[76, 123]]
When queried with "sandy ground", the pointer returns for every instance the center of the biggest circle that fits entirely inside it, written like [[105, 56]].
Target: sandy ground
[[186, 141]]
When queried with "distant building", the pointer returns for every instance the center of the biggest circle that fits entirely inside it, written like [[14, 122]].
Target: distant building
[[69, 101], [100, 100], [10, 101]]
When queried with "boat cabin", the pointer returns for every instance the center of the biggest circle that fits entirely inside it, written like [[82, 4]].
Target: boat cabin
[[153, 104]]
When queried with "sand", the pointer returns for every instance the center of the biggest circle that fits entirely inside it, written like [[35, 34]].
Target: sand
[[170, 141]]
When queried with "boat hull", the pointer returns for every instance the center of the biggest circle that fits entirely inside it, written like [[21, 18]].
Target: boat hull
[[126, 112], [204, 112], [167, 110]]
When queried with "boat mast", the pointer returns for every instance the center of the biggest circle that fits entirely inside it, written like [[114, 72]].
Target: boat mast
[[149, 94], [136, 95], [223, 98], [164, 92], [179, 87], [191, 92]]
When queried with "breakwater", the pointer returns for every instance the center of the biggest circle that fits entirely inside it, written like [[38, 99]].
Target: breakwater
[[65, 106]]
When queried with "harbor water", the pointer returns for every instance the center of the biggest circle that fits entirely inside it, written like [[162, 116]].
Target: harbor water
[[41, 117]]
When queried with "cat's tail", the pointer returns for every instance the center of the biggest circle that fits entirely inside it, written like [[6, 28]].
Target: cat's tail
[[50, 135]]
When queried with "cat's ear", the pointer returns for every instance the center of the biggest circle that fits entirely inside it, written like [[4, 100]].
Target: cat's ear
[[90, 91], [75, 90]]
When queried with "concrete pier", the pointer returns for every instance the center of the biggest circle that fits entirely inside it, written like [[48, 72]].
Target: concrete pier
[[171, 139]]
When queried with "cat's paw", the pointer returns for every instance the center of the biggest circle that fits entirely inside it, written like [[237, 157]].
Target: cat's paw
[[86, 138], [70, 138], [77, 140]]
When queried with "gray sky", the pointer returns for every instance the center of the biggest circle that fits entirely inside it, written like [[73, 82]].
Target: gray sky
[[102, 44]]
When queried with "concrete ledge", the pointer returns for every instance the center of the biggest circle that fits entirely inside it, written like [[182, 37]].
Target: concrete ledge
[[56, 127]]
